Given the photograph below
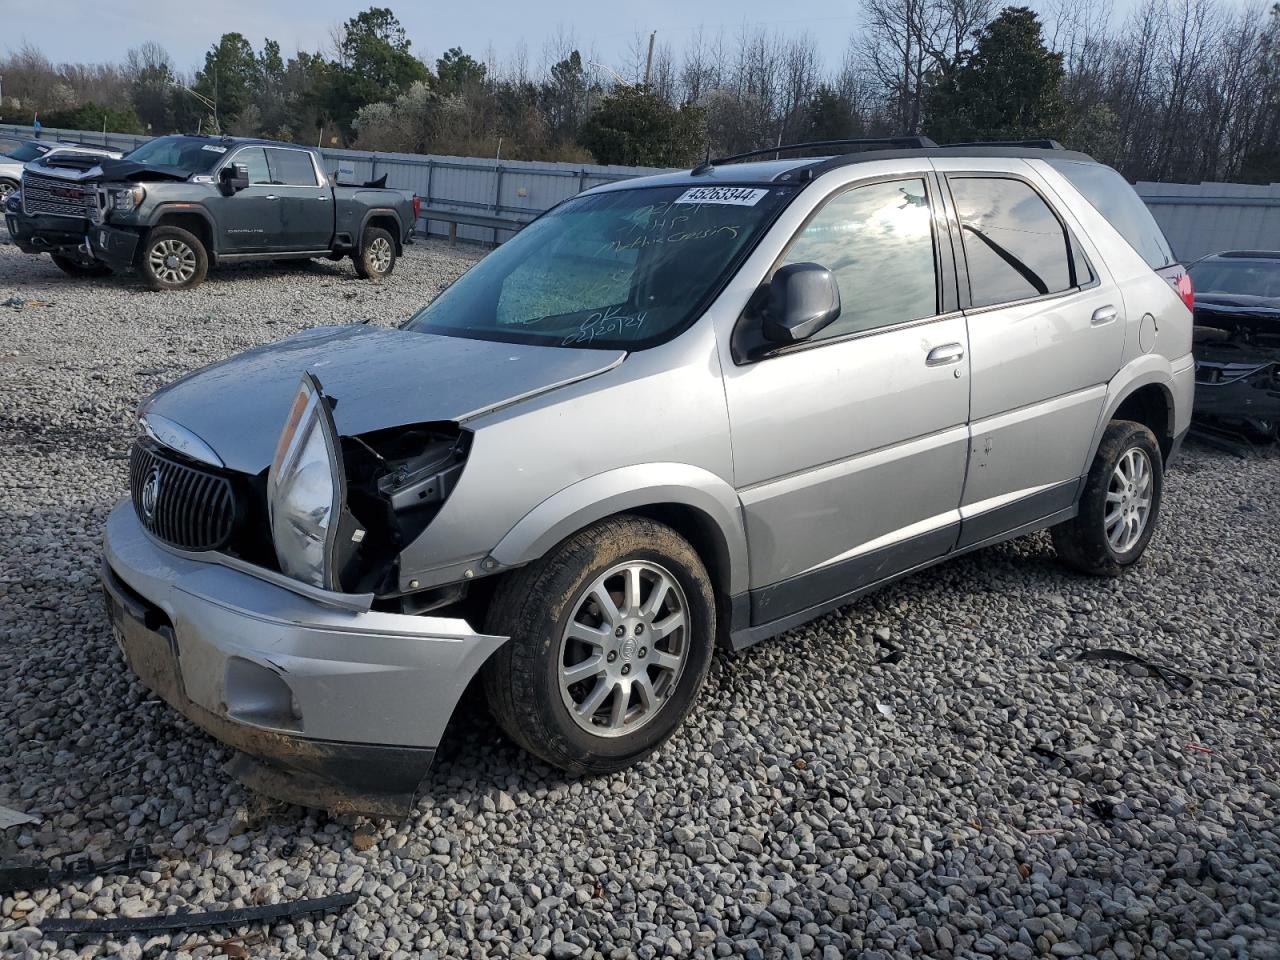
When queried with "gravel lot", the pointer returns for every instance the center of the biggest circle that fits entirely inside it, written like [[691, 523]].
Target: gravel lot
[[927, 772]]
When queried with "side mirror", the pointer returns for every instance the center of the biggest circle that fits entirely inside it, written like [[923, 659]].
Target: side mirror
[[803, 298], [234, 178]]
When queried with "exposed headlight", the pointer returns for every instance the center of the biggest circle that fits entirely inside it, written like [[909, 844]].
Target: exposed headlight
[[305, 489], [127, 199]]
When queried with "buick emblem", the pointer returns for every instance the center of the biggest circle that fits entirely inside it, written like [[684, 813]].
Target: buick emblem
[[150, 494]]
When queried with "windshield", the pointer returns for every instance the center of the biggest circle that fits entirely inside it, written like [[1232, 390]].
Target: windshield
[[28, 152], [1237, 278], [622, 270], [190, 154]]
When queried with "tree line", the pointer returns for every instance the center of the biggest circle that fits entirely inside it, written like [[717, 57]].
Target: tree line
[[1180, 90]]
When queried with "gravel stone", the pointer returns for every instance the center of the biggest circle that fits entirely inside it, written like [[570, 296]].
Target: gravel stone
[[1019, 803]]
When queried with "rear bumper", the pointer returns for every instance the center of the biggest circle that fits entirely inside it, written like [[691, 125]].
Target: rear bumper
[[113, 246], [327, 707]]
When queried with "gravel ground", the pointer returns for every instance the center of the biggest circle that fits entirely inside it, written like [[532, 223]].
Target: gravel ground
[[927, 772]]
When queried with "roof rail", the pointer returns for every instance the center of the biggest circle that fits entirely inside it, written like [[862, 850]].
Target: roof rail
[[1043, 143], [903, 143]]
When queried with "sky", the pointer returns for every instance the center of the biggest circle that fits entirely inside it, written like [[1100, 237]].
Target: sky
[[91, 31]]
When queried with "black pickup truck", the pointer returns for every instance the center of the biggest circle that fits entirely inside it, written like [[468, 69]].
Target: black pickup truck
[[178, 205]]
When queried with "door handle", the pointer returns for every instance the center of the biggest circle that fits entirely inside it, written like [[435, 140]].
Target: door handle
[[323, 199], [1103, 315], [947, 353], [271, 196]]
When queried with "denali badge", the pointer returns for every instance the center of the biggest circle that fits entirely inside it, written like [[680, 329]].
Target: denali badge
[[150, 494]]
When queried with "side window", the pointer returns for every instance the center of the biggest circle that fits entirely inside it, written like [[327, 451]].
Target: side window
[[877, 241], [1112, 197], [1014, 246], [255, 158], [291, 168]]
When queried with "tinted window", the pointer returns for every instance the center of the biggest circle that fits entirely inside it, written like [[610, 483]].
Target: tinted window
[[878, 242], [619, 269], [291, 167], [1014, 247], [1112, 197], [255, 158]]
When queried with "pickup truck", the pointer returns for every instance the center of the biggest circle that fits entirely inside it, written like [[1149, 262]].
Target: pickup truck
[[180, 204]]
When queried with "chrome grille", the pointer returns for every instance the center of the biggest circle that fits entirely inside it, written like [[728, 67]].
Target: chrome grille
[[57, 197], [184, 505]]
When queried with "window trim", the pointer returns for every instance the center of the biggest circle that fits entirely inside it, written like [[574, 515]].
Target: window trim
[[945, 306], [963, 282]]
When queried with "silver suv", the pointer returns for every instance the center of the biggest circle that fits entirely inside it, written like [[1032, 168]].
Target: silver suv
[[686, 410]]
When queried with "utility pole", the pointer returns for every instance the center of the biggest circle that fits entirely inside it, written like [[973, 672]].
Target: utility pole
[[648, 63]]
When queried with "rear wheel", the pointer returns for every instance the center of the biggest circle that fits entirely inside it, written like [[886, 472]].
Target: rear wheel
[[611, 638], [1119, 506], [376, 257], [172, 259], [78, 267]]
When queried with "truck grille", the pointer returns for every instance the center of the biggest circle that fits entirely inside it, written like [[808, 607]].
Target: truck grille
[[57, 197], [182, 504]]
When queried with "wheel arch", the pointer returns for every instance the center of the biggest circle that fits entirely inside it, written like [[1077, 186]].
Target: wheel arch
[[697, 504], [388, 220], [1143, 391], [192, 219]]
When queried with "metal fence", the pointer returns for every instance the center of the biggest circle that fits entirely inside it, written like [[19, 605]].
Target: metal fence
[[1197, 218], [514, 189]]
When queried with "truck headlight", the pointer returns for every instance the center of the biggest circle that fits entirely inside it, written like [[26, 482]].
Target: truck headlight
[[127, 199], [305, 489]]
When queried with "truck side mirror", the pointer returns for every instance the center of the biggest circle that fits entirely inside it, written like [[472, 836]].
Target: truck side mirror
[[803, 299], [234, 178]]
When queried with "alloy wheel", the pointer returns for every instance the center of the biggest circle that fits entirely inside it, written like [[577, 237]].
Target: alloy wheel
[[624, 649], [1128, 500], [172, 261], [380, 255]]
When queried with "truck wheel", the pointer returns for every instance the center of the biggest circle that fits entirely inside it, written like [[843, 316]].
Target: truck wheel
[[1119, 506], [172, 259], [376, 257], [611, 638], [7, 187], [75, 267]]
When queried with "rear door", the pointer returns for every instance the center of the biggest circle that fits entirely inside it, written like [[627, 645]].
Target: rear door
[[306, 206], [1046, 334], [849, 449]]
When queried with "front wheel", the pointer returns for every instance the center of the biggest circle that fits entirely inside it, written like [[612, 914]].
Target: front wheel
[[376, 257], [76, 267], [7, 187], [1119, 506], [172, 259], [611, 639]]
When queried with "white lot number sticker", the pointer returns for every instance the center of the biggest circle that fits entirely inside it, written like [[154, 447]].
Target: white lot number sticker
[[212, 149], [736, 196]]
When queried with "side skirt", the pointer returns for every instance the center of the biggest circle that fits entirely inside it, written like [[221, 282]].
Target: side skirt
[[743, 634]]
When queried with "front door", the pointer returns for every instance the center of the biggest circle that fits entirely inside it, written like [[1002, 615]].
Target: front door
[[849, 450], [249, 220], [1046, 333], [306, 204]]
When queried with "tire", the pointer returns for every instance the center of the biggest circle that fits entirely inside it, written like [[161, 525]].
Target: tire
[[535, 605], [376, 257], [73, 267], [7, 187], [172, 259], [1087, 542]]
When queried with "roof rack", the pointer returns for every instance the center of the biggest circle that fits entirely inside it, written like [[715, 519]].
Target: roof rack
[[1043, 143], [902, 143]]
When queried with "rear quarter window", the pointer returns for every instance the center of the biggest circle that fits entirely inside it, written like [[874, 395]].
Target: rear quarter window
[[1111, 195]]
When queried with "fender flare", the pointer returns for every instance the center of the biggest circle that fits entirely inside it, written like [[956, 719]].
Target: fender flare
[[166, 207], [628, 488], [1133, 376], [375, 212]]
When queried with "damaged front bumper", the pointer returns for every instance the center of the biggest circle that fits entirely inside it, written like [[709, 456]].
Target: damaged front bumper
[[46, 234], [327, 707]]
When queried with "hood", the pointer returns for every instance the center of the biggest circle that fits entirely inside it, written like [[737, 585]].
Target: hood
[[84, 168], [377, 377]]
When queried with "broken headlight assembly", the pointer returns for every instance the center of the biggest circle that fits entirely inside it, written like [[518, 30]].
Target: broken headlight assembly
[[305, 490], [126, 199]]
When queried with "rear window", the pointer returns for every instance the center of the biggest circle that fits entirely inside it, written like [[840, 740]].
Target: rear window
[[1112, 197], [291, 168]]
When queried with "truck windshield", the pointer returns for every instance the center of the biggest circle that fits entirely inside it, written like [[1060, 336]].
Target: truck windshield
[[192, 154], [621, 269]]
